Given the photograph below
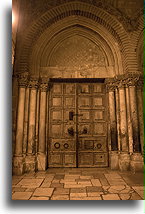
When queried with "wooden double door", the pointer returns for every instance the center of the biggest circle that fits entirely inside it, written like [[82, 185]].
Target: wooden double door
[[77, 125]]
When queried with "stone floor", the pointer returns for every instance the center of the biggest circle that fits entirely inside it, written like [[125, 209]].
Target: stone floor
[[78, 184]]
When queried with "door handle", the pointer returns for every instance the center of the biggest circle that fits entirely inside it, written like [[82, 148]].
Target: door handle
[[71, 131], [72, 114]]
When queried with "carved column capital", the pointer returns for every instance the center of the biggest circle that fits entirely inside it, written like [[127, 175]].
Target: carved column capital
[[33, 83], [140, 83], [22, 80], [44, 84], [129, 79], [132, 81], [110, 84]]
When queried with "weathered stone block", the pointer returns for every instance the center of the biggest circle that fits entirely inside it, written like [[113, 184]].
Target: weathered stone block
[[114, 160], [30, 163], [18, 165], [41, 162], [124, 162], [137, 163]]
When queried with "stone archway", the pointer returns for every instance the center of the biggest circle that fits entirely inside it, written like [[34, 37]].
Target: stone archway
[[84, 27]]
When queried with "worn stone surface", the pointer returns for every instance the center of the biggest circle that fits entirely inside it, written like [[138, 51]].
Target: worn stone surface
[[21, 195], [59, 184], [31, 182], [111, 197], [39, 198], [43, 192]]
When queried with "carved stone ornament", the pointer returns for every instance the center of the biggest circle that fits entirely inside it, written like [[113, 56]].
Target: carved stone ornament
[[140, 83], [23, 80], [110, 84], [33, 83], [125, 80], [44, 84]]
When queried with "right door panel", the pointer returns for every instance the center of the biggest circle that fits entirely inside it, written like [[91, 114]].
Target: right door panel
[[92, 125]]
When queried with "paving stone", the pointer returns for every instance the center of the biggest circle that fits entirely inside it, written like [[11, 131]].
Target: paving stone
[[87, 198], [93, 194], [30, 189], [86, 177], [60, 197], [43, 192], [96, 182], [104, 181], [48, 179], [78, 190], [56, 185], [85, 183], [72, 176], [74, 186], [111, 197], [127, 190], [67, 180], [61, 191], [134, 179], [105, 188], [31, 182], [59, 176], [139, 190], [116, 189], [30, 175], [46, 184], [76, 195], [124, 196], [21, 195], [15, 181], [135, 196], [19, 189], [56, 181], [94, 189], [39, 198]]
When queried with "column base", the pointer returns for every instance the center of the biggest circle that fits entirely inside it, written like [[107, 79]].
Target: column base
[[18, 165], [124, 162], [30, 163], [137, 163], [114, 160], [41, 161]]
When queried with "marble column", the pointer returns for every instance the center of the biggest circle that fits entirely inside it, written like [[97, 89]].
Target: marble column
[[136, 163], [118, 118], [129, 122], [124, 157], [42, 159], [30, 160], [26, 114], [113, 125], [134, 119], [113, 130], [18, 160], [140, 114]]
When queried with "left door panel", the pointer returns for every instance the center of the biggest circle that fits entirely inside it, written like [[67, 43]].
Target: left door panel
[[62, 141]]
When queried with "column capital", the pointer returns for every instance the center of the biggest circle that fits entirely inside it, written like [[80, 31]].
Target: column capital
[[110, 84], [33, 83], [43, 84], [140, 83], [125, 80], [22, 80]]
